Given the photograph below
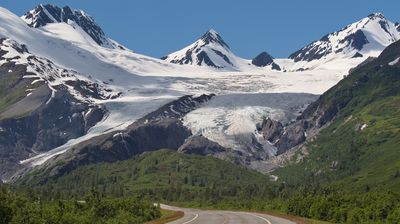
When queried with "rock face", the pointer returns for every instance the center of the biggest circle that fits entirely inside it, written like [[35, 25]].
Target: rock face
[[264, 59], [50, 125], [162, 128], [200, 145], [35, 116], [45, 14], [271, 130], [309, 123], [283, 138], [294, 135], [357, 40]]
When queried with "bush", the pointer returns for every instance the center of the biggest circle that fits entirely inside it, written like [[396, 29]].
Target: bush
[[21, 209]]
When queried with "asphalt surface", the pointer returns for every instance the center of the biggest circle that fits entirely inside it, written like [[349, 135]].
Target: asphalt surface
[[195, 216]]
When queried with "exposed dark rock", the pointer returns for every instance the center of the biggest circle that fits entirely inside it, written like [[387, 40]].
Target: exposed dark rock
[[45, 14], [320, 48], [357, 40], [275, 66], [357, 55], [177, 108], [88, 90], [212, 36], [200, 145], [203, 57], [37, 121], [294, 134], [385, 26], [51, 125], [162, 128], [283, 138], [262, 60], [311, 52], [167, 133], [271, 129], [219, 53]]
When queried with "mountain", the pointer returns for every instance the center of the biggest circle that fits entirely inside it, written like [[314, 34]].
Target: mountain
[[264, 59], [356, 147], [46, 14], [55, 84], [210, 50], [362, 39]]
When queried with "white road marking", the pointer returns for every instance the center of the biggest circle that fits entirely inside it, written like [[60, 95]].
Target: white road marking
[[266, 220], [195, 217]]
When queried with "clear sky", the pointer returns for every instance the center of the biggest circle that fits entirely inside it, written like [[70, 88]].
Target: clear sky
[[280, 27]]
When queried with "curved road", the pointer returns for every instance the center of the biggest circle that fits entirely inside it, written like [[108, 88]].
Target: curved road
[[195, 216]]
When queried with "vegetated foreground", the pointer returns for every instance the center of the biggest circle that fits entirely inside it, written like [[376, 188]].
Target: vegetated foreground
[[29, 207], [205, 182]]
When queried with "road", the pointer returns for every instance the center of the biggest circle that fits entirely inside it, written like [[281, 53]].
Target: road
[[196, 216]]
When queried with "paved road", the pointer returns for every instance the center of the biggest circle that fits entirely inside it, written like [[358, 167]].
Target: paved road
[[195, 216]]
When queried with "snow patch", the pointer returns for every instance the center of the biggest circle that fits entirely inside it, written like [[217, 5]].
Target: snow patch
[[392, 63]]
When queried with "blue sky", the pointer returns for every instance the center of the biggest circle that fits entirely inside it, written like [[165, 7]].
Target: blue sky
[[158, 27]]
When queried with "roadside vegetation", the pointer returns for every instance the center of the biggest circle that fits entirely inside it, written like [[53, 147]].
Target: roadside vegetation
[[205, 182], [30, 208], [167, 216]]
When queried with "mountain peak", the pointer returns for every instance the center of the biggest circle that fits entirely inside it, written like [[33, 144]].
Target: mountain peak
[[363, 37], [376, 15], [212, 32], [209, 50], [212, 36], [42, 15]]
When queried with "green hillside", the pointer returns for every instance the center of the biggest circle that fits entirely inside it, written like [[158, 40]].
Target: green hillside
[[162, 175], [350, 172], [361, 147]]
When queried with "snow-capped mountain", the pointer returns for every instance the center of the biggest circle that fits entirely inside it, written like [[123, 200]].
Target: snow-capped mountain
[[362, 39], [210, 50], [46, 14]]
